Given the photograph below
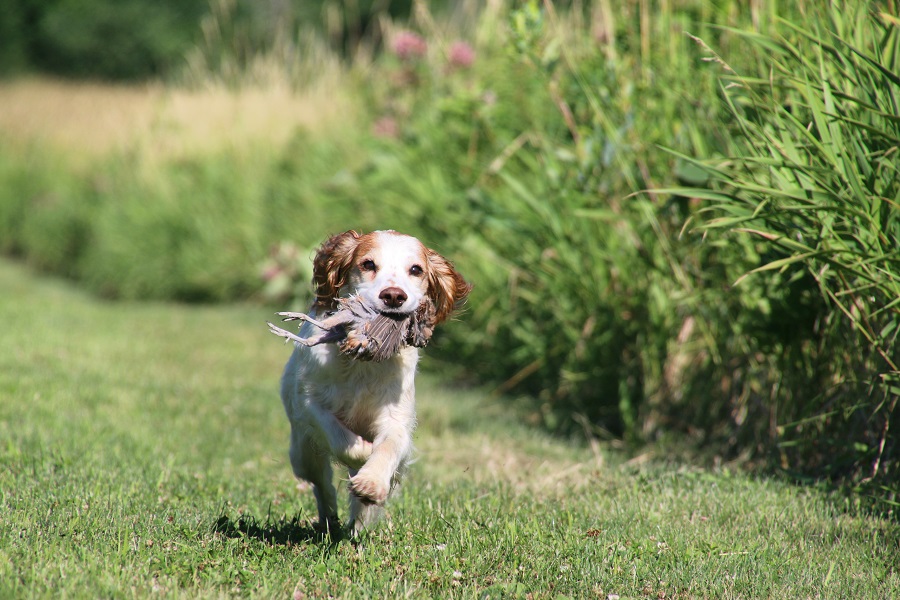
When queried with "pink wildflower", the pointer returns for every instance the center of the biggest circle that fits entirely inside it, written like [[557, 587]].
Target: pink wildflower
[[270, 272], [461, 55], [408, 45], [386, 127]]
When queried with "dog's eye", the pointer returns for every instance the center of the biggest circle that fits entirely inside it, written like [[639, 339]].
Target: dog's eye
[[415, 271], [368, 265]]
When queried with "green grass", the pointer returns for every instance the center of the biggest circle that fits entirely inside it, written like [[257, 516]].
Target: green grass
[[143, 451]]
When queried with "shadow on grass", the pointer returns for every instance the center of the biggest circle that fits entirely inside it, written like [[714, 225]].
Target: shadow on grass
[[283, 532]]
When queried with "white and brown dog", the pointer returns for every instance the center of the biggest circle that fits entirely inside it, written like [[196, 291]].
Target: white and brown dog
[[362, 413]]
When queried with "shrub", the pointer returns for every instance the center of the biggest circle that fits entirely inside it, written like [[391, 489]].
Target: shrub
[[44, 210], [191, 230]]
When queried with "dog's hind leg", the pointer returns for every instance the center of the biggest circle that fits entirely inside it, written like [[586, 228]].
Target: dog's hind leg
[[313, 465]]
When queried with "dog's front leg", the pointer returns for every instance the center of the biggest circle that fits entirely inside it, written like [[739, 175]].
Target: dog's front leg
[[348, 448], [390, 450]]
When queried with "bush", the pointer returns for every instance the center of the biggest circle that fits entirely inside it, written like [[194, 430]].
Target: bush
[[186, 231], [45, 211]]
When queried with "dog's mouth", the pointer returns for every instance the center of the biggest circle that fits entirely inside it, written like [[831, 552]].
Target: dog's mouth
[[398, 313], [395, 314]]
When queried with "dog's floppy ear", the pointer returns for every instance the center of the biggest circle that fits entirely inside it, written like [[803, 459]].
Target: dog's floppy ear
[[331, 266], [446, 287]]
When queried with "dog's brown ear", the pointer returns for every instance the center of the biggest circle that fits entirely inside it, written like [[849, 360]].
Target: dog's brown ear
[[446, 287], [331, 266]]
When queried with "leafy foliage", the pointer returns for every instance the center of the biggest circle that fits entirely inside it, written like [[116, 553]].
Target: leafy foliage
[[815, 177]]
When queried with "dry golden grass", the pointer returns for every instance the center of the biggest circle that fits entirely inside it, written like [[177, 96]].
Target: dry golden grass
[[540, 467], [92, 119], [89, 118], [495, 446]]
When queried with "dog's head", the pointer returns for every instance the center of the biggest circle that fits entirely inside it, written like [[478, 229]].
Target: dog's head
[[391, 271]]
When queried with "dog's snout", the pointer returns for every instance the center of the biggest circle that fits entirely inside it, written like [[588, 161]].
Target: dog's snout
[[393, 297]]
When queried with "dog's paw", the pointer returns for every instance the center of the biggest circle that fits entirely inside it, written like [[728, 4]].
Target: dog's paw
[[356, 455], [368, 489]]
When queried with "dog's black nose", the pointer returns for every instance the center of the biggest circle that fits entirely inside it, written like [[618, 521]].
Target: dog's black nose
[[393, 297]]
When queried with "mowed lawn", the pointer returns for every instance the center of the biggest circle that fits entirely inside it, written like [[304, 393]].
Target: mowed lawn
[[143, 454]]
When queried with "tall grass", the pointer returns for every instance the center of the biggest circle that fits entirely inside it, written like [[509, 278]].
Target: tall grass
[[589, 299], [619, 311], [815, 178]]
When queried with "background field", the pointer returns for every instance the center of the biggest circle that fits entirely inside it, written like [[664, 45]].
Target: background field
[[144, 453]]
